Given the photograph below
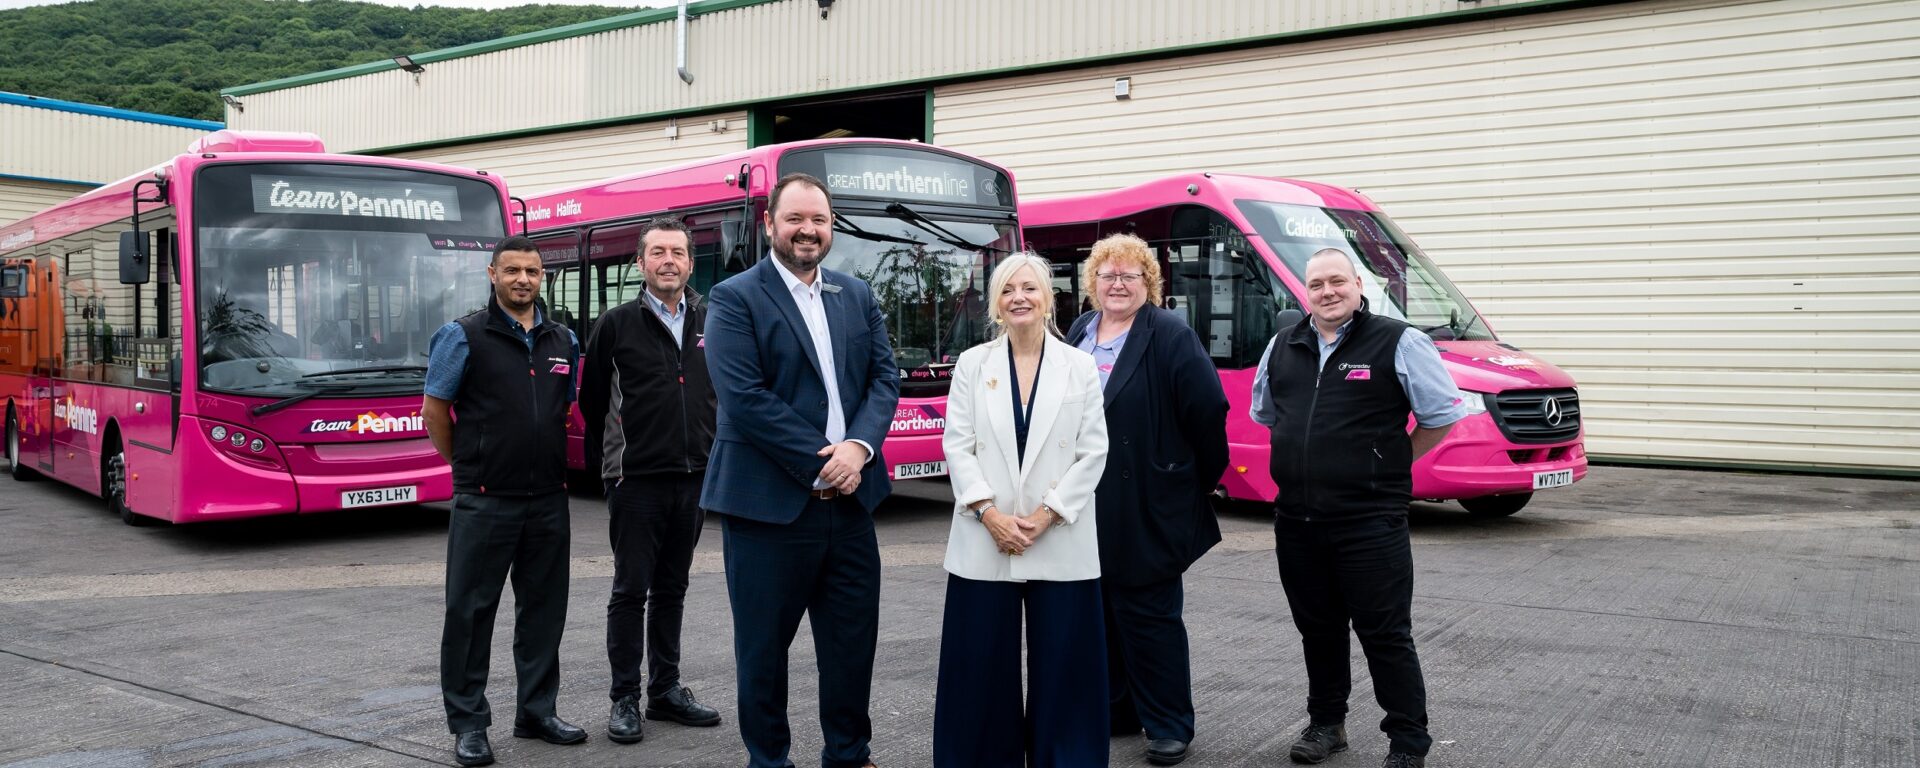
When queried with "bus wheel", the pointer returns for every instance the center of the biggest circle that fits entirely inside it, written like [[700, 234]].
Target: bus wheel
[[1496, 506], [113, 484], [14, 467]]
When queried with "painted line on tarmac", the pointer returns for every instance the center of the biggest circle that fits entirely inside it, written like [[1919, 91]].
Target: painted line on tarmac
[[225, 582], [1621, 527]]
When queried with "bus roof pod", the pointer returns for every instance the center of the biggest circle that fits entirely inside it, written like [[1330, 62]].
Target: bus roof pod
[[228, 140]]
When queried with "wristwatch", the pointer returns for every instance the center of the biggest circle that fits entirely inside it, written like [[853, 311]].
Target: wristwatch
[[980, 511]]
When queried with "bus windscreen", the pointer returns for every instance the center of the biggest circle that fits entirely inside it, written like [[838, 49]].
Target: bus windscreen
[[331, 279], [1401, 282]]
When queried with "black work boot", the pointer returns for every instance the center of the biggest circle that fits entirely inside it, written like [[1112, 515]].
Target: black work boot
[[623, 723], [1319, 742]]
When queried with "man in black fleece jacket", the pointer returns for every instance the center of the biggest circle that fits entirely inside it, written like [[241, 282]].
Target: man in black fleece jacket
[[649, 409]]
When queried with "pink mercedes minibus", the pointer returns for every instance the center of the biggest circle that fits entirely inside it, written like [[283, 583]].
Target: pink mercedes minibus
[[1233, 250]]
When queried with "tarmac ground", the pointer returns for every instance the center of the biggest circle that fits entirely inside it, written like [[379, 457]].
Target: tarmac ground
[[1643, 617]]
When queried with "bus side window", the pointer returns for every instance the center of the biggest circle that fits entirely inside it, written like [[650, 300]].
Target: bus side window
[[559, 286]]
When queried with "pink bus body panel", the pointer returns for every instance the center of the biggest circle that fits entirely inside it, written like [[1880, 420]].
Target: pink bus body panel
[[1473, 461], [704, 184], [184, 477]]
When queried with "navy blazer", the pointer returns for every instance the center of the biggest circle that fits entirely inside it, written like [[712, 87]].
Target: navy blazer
[[1166, 450], [773, 399]]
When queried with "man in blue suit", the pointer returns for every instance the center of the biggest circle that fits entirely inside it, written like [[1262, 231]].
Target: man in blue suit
[[806, 383]]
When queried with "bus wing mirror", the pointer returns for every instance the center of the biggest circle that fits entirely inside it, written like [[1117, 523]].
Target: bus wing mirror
[[1288, 318], [733, 245], [13, 282], [136, 257]]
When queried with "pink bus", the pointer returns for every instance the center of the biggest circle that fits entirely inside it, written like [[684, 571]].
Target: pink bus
[[1233, 250], [241, 330], [921, 224]]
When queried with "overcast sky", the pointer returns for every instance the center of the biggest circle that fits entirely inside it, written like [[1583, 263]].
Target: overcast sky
[[5, 4]]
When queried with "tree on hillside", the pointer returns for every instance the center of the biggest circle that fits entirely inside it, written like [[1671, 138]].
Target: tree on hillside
[[172, 57]]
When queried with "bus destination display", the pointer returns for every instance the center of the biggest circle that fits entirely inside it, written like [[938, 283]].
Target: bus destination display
[[359, 198], [932, 178]]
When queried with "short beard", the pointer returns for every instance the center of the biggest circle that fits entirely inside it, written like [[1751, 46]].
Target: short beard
[[505, 300], [794, 263]]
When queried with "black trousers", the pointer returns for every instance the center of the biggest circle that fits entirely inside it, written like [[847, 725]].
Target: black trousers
[[826, 565], [1149, 670], [488, 539], [978, 719], [1357, 572], [654, 523]]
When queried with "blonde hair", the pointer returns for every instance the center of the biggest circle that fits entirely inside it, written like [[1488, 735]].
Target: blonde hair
[[1003, 274], [1125, 250]]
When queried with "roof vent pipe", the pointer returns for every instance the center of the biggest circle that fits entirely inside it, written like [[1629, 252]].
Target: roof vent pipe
[[680, 43]]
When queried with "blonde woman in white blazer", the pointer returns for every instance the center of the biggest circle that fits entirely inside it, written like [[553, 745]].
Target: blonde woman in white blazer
[[1023, 541]]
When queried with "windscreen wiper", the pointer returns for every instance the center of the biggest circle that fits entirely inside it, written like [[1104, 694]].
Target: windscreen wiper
[[284, 403], [844, 225], [902, 212], [370, 369]]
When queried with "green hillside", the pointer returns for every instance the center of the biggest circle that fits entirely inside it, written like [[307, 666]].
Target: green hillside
[[173, 56]]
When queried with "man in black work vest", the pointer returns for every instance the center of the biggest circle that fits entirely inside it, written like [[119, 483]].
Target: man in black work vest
[[509, 372], [1336, 390], [649, 409]]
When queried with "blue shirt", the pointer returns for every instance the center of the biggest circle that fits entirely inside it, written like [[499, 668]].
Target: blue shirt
[[1104, 355], [1416, 362], [447, 357], [676, 319]]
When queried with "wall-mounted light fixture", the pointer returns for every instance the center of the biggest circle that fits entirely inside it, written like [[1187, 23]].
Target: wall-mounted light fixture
[[233, 102], [1123, 88], [825, 5], [406, 63]]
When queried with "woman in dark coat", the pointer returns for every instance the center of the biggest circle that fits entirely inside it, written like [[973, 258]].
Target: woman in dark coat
[[1167, 448]]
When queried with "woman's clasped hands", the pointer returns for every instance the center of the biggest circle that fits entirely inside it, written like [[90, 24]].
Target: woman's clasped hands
[[1013, 535]]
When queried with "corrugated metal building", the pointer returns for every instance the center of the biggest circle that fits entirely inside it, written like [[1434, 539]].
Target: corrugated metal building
[[54, 150], [1707, 210]]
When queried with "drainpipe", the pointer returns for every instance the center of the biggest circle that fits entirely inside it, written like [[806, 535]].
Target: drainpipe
[[680, 42]]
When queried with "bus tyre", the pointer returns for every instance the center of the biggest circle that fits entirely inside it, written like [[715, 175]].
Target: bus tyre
[[18, 470], [113, 485], [1496, 506]]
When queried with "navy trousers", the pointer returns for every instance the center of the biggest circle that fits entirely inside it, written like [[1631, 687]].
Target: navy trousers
[[825, 564], [490, 538], [978, 717], [1357, 572], [1150, 672]]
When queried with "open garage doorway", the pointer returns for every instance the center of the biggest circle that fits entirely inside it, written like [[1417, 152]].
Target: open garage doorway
[[894, 115]]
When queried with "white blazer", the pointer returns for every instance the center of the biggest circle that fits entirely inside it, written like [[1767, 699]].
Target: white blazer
[[1066, 454]]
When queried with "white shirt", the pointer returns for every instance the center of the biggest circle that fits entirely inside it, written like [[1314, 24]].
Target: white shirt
[[813, 311]]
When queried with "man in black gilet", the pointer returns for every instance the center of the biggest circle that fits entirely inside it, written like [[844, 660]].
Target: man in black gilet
[[1336, 390], [509, 374], [649, 408]]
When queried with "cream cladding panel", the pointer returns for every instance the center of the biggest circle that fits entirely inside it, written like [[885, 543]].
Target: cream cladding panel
[[1707, 212], [69, 146], [772, 51], [536, 164], [20, 199]]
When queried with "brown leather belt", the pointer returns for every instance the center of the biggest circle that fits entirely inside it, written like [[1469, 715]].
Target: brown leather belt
[[825, 494]]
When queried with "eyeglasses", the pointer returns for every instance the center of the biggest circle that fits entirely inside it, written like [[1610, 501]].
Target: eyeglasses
[[1124, 278]]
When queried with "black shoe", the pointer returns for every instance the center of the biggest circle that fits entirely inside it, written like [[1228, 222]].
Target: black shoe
[[678, 705], [1319, 742], [551, 730], [1166, 751], [1404, 760], [623, 723], [471, 748]]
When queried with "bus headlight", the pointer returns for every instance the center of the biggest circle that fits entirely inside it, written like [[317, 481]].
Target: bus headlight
[[219, 433], [1474, 401], [239, 438], [257, 445]]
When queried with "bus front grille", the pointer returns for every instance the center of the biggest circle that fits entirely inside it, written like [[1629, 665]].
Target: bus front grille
[[1536, 415]]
